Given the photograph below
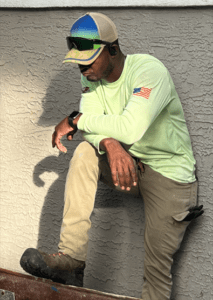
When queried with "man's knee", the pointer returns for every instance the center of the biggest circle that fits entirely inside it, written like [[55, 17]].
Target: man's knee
[[85, 154], [84, 150]]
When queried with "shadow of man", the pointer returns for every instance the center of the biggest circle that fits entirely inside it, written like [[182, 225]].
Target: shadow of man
[[62, 96], [52, 210]]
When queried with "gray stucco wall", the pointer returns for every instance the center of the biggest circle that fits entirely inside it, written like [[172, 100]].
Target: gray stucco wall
[[37, 91]]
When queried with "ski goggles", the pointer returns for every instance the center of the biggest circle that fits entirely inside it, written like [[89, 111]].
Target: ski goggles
[[82, 44]]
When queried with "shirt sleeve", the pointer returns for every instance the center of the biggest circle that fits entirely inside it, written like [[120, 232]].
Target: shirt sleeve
[[151, 93], [90, 104]]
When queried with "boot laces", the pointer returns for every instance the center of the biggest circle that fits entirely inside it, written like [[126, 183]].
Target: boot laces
[[57, 254]]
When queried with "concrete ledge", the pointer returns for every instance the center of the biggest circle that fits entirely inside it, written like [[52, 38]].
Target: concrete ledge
[[29, 287]]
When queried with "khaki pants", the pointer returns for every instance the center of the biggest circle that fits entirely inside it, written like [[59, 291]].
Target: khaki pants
[[166, 204]]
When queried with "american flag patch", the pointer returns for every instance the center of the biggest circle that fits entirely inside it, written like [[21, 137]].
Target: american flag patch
[[142, 92]]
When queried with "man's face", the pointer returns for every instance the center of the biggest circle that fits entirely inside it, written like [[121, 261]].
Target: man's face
[[101, 68]]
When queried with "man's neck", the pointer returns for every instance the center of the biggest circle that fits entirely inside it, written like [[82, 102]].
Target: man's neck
[[118, 69]]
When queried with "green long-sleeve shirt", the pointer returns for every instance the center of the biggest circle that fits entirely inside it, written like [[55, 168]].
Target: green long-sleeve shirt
[[142, 111]]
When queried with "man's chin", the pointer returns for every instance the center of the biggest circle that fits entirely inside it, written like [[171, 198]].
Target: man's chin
[[92, 78]]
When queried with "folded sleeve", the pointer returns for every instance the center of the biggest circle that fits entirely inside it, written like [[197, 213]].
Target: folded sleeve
[[95, 140], [151, 92], [90, 104]]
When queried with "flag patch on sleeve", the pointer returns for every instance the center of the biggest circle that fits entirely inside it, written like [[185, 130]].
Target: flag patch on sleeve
[[142, 92]]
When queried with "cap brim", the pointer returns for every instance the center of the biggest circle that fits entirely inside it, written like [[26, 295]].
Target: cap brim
[[86, 57]]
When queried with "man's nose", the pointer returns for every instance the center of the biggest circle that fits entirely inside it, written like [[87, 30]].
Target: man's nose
[[84, 68]]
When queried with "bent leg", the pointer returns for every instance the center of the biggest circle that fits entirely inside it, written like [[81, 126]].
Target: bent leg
[[166, 201], [80, 191], [86, 167]]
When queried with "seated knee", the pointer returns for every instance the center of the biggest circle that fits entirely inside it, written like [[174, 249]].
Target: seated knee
[[85, 153]]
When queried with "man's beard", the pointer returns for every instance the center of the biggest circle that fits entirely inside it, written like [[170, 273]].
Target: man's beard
[[108, 70], [104, 75]]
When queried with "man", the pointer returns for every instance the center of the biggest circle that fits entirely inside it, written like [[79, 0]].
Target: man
[[136, 141]]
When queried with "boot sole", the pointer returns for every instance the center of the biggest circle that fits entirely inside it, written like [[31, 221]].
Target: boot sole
[[33, 263]]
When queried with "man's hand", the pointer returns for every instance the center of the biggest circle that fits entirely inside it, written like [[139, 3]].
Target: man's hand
[[63, 128], [121, 164]]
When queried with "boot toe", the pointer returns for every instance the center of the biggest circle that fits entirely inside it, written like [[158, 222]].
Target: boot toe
[[31, 261]]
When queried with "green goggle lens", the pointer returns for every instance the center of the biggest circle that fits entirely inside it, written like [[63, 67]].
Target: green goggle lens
[[82, 44]]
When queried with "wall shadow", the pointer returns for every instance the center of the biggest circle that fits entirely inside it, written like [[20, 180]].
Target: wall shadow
[[60, 99], [52, 210]]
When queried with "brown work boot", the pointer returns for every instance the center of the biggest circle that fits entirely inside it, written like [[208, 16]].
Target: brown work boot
[[58, 267]]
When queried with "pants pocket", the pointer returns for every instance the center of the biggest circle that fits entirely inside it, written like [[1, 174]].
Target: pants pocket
[[190, 214]]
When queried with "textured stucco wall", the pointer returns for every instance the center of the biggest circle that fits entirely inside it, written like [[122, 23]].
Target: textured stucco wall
[[102, 3], [37, 91]]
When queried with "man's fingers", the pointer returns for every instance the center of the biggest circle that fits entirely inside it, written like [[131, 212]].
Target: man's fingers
[[61, 147], [134, 176], [114, 177], [125, 179], [130, 175], [56, 141], [69, 137], [117, 174], [124, 174]]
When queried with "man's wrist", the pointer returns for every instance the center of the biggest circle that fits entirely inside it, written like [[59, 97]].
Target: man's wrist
[[106, 143], [73, 119]]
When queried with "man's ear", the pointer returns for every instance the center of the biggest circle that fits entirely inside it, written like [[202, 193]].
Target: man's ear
[[112, 50]]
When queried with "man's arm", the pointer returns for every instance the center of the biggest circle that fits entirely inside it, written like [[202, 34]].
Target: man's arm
[[149, 97]]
